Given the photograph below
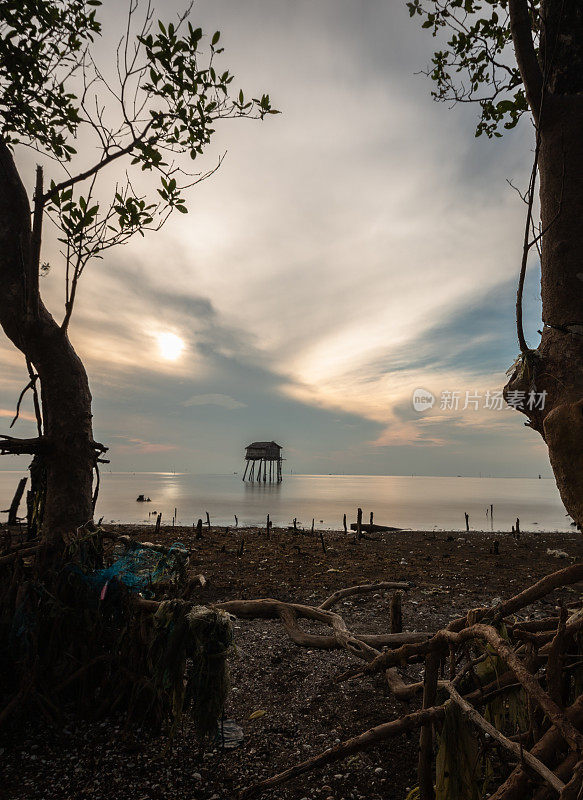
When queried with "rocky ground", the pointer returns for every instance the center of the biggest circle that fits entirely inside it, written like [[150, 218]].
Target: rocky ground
[[304, 711]]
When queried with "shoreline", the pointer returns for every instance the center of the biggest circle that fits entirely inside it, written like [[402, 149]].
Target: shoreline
[[303, 707]]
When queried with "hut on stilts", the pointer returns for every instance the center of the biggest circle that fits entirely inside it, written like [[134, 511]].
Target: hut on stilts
[[264, 454]]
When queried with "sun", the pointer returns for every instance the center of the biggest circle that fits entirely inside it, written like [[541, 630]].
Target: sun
[[170, 346]]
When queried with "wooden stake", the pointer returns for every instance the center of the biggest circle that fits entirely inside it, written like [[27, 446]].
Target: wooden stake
[[322, 542], [208, 520], [359, 524], [397, 613], [13, 510], [199, 529], [158, 523], [425, 766], [312, 525], [467, 516], [344, 523]]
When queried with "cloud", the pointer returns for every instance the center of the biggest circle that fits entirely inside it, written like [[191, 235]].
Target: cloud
[[354, 248], [6, 412], [222, 400], [140, 446]]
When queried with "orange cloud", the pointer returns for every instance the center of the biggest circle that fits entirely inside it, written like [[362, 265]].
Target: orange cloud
[[141, 446], [9, 413]]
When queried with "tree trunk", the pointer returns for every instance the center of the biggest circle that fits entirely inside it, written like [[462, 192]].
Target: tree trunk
[[67, 444], [556, 366]]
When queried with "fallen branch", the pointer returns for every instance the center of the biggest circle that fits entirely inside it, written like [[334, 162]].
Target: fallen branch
[[373, 736], [365, 588]]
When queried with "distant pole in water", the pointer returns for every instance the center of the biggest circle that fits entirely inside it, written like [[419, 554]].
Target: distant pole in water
[[236, 521], [371, 517], [208, 520], [467, 516], [344, 523], [268, 526], [517, 526], [295, 524], [492, 516], [312, 525], [359, 523]]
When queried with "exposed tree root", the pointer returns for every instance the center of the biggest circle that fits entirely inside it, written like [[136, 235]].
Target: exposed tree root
[[493, 661], [479, 629]]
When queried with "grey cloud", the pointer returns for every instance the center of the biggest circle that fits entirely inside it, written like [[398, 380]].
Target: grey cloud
[[222, 400]]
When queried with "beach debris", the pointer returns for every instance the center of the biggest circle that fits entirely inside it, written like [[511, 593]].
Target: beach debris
[[261, 712], [229, 735], [372, 528], [557, 553], [495, 548]]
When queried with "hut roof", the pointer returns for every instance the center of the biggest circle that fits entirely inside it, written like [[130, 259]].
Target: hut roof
[[263, 444]]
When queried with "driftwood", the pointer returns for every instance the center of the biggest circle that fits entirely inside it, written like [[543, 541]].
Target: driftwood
[[372, 528], [560, 745], [522, 666], [534, 657]]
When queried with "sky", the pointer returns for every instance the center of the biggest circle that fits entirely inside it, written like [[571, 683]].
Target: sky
[[359, 246]]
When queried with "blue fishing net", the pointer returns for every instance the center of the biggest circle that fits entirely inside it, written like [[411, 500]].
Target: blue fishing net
[[139, 567]]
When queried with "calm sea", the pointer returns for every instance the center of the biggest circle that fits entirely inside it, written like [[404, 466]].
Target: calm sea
[[419, 503]]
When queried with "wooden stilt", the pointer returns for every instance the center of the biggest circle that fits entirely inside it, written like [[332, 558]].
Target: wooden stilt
[[246, 468]]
